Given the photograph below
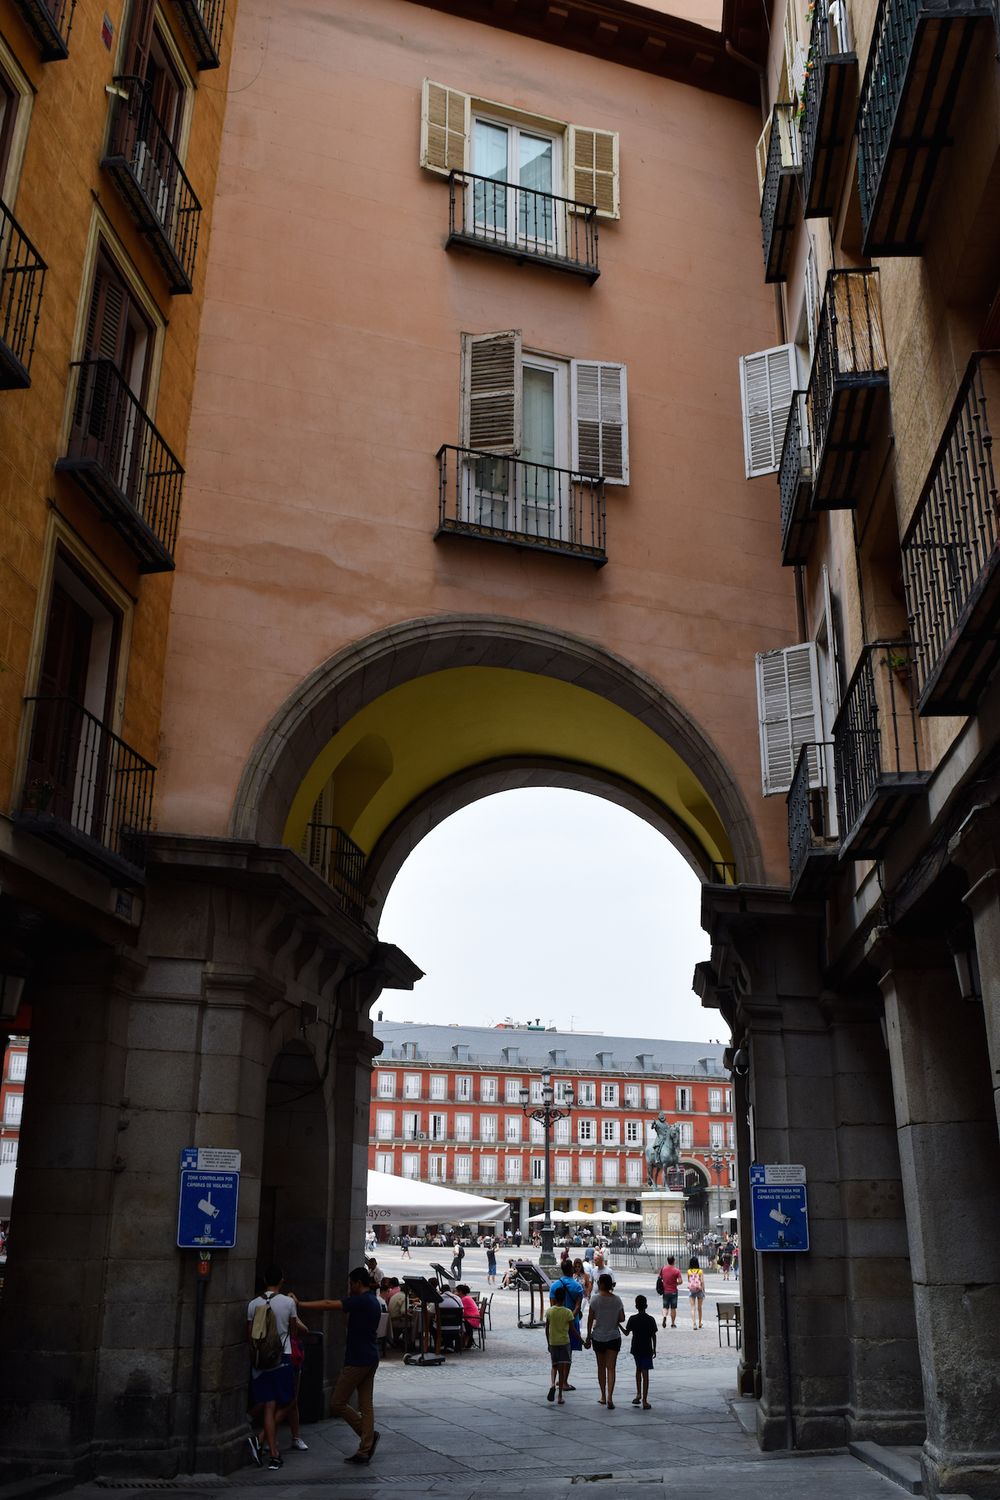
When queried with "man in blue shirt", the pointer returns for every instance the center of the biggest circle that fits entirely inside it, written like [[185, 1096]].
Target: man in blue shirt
[[360, 1362]]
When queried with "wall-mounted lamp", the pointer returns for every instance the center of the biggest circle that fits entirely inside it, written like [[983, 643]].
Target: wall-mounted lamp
[[966, 961], [11, 994]]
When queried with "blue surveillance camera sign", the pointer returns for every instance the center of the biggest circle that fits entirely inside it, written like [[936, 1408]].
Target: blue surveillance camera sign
[[208, 1207], [779, 1207]]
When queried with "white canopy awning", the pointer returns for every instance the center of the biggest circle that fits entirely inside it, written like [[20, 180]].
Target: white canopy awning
[[730, 1214], [407, 1200]]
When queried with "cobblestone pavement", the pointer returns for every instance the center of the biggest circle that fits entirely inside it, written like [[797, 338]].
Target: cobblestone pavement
[[480, 1425]]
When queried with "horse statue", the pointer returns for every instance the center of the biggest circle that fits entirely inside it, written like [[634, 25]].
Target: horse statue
[[664, 1151]]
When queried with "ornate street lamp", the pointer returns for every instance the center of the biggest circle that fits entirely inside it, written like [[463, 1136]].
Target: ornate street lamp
[[546, 1114], [720, 1159]]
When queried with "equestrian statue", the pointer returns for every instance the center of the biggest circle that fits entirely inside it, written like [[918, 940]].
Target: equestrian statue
[[664, 1151]]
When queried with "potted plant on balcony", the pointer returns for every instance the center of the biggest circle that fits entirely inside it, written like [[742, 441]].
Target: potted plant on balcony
[[900, 666]]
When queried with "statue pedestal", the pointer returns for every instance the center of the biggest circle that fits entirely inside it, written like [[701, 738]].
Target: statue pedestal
[[662, 1212]]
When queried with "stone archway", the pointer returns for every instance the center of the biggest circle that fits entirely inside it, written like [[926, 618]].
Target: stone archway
[[353, 679]]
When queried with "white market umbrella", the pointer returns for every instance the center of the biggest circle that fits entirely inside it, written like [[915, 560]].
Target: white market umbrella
[[557, 1216], [730, 1214], [407, 1200], [624, 1216]]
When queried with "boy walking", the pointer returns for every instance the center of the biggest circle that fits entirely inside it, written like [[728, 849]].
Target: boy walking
[[670, 1280], [642, 1327], [558, 1318]]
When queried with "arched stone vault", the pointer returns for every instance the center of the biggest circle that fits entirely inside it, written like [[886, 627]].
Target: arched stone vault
[[573, 714]]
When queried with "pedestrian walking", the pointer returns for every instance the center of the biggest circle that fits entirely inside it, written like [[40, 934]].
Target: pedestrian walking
[[604, 1325], [671, 1277], [517, 1238], [272, 1385], [491, 1260], [458, 1255], [360, 1362], [558, 1321], [642, 1328], [726, 1258], [696, 1292], [404, 1245], [374, 1272]]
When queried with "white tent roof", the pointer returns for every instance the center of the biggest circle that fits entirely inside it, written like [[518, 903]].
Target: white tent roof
[[407, 1200]]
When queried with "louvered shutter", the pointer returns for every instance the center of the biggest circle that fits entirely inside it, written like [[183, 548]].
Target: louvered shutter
[[789, 712], [767, 380], [600, 419], [444, 128], [491, 391], [594, 176], [811, 298], [135, 55]]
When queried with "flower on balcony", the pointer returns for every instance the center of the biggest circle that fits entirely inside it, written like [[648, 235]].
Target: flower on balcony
[[38, 794]]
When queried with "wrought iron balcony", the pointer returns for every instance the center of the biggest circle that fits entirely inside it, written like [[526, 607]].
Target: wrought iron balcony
[[877, 753], [526, 504], [812, 843], [22, 276], [951, 552], [523, 223], [795, 484], [340, 861], [848, 394], [147, 172], [121, 462], [918, 51], [779, 204], [86, 791], [50, 23], [202, 20], [830, 99]]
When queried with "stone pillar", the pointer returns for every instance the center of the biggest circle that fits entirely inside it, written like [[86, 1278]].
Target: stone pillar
[[66, 1189], [886, 1398], [977, 851], [945, 1111]]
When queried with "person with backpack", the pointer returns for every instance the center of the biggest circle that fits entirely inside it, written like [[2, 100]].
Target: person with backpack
[[272, 1318], [668, 1284], [696, 1291]]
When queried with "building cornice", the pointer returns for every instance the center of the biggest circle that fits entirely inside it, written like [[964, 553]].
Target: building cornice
[[635, 37]]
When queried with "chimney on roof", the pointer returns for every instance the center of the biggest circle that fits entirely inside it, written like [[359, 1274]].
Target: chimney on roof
[[606, 1059], [511, 1056]]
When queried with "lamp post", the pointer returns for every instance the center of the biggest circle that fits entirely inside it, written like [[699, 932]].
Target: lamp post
[[546, 1113], [720, 1159]]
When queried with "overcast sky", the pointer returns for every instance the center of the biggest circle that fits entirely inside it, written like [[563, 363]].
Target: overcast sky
[[550, 904]]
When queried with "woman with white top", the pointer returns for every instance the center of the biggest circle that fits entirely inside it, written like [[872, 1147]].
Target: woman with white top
[[604, 1331]]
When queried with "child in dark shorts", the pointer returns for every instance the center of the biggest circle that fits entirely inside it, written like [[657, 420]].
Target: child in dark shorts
[[643, 1330], [558, 1318]]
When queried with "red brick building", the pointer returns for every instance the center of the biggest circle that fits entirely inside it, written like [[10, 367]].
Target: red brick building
[[15, 1068], [446, 1107]]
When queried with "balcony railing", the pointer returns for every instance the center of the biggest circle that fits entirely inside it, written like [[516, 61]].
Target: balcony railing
[[795, 484], [202, 20], [524, 223], [812, 841], [918, 51], [512, 500], [779, 199], [877, 753], [86, 790], [50, 25], [830, 100], [848, 393], [951, 553], [340, 861], [121, 462], [22, 277], [147, 172]]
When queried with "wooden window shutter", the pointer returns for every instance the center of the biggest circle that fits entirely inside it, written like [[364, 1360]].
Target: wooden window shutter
[[767, 380], [491, 391], [811, 298], [594, 176], [600, 419], [139, 39], [789, 712], [106, 315], [444, 128]]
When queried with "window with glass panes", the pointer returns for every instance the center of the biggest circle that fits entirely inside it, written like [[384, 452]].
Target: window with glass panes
[[512, 1128], [633, 1132], [535, 1089], [609, 1095], [487, 1127], [537, 1131], [609, 1171], [512, 1091], [715, 1101], [463, 1168], [411, 1166], [587, 1093], [538, 1169], [609, 1132], [587, 1171], [633, 1172], [8, 1153], [564, 1130], [411, 1085], [512, 1169], [463, 1088], [438, 1127], [439, 1086], [585, 1131], [522, 169], [487, 1169], [631, 1093], [651, 1095], [730, 1133], [383, 1161], [687, 1134], [488, 1090], [716, 1134], [436, 1167], [386, 1087], [563, 1170], [385, 1120], [411, 1125], [463, 1127]]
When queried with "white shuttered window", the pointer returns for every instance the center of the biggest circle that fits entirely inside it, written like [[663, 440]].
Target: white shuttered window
[[491, 391], [789, 711], [444, 128], [600, 419], [594, 176], [767, 380]]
